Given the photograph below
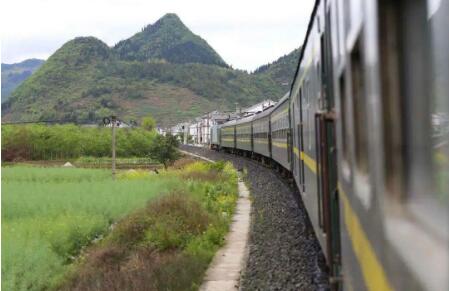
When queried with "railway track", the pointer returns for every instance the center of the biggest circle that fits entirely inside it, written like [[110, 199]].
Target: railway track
[[284, 253]]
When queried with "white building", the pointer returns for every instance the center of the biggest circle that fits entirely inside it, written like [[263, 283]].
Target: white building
[[259, 107], [199, 129], [118, 124], [207, 121]]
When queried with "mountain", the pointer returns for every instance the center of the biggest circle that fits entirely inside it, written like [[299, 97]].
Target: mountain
[[168, 39], [85, 80], [14, 74], [282, 70]]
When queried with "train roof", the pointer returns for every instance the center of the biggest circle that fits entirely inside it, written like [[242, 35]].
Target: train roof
[[229, 123], [245, 119], [263, 113], [282, 100], [256, 116], [306, 38]]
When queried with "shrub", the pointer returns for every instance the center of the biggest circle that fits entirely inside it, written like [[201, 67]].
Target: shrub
[[50, 142]]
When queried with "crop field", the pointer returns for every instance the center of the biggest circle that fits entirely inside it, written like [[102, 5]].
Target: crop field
[[52, 216]]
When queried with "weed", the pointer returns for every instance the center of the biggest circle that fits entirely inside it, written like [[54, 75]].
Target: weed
[[51, 216]]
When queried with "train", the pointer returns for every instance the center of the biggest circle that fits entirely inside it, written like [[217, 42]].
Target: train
[[354, 133]]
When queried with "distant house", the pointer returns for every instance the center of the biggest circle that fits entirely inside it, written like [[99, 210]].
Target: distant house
[[259, 107], [119, 124], [161, 130]]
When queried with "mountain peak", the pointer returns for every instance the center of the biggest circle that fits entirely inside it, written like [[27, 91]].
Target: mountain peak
[[168, 39], [170, 17], [82, 50]]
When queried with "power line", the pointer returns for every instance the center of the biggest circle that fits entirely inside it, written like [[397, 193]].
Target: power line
[[52, 121]]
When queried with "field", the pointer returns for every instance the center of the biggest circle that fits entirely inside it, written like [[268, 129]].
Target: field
[[52, 215]]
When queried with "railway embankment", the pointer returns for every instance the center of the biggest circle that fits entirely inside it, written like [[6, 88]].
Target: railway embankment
[[283, 252]]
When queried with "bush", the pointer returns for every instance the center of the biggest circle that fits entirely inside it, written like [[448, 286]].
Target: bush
[[50, 142], [164, 149], [168, 244]]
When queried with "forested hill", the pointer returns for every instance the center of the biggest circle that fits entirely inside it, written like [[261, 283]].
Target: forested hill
[[164, 70], [14, 74], [168, 39], [282, 70]]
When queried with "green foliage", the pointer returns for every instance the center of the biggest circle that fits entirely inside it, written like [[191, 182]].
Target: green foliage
[[168, 244], [149, 123], [281, 70], [168, 39], [42, 142], [14, 74], [50, 214], [164, 149]]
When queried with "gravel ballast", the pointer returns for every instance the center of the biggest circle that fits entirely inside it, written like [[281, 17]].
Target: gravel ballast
[[284, 253]]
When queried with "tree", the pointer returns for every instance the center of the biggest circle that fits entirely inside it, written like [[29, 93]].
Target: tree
[[164, 149], [148, 123]]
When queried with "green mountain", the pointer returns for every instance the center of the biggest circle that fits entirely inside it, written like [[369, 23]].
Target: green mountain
[[14, 74], [168, 39], [282, 70], [86, 80]]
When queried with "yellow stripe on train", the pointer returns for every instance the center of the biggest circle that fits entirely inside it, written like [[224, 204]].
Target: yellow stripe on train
[[373, 273], [372, 270], [279, 145]]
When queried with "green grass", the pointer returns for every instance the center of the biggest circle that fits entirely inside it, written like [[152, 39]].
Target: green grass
[[50, 214], [167, 244], [57, 234]]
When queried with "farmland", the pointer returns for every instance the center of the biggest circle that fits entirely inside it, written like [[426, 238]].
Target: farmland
[[55, 219]]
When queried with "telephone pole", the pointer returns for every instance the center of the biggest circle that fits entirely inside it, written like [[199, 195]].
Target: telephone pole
[[113, 120]]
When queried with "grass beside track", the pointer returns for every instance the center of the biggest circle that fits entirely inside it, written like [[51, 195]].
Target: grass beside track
[[175, 219]]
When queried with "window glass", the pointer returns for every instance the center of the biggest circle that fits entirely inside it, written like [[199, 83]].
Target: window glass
[[359, 108], [344, 118], [440, 98]]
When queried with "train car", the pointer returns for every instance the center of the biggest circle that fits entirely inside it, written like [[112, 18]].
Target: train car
[[214, 137], [243, 134], [227, 135], [356, 133], [307, 105], [362, 86], [262, 133], [280, 133]]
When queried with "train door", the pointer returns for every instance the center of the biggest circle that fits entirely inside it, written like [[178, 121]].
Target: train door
[[300, 142], [328, 208], [295, 161], [289, 139]]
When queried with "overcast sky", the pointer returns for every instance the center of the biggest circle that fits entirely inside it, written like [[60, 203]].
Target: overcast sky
[[246, 34]]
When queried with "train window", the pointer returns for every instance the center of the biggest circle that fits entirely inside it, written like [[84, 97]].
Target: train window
[[344, 119], [359, 107], [439, 109], [414, 72], [308, 114], [392, 100]]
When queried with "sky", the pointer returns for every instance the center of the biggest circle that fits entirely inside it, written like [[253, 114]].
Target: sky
[[246, 34]]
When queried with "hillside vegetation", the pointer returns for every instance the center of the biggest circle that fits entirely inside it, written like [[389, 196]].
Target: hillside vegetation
[[14, 74], [164, 70], [282, 70], [168, 39]]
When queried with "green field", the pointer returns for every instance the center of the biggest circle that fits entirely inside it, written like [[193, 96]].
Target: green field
[[56, 224], [49, 214]]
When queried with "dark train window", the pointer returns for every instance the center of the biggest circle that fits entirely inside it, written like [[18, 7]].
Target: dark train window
[[344, 119], [392, 102], [360, 108]]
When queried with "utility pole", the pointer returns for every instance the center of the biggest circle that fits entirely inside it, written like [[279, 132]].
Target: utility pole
[[113, 120]]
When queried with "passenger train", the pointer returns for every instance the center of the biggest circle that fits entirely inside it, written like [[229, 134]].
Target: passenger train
[[355, 134]]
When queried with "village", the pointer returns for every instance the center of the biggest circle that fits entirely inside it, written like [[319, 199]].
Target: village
[[198, 130]]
